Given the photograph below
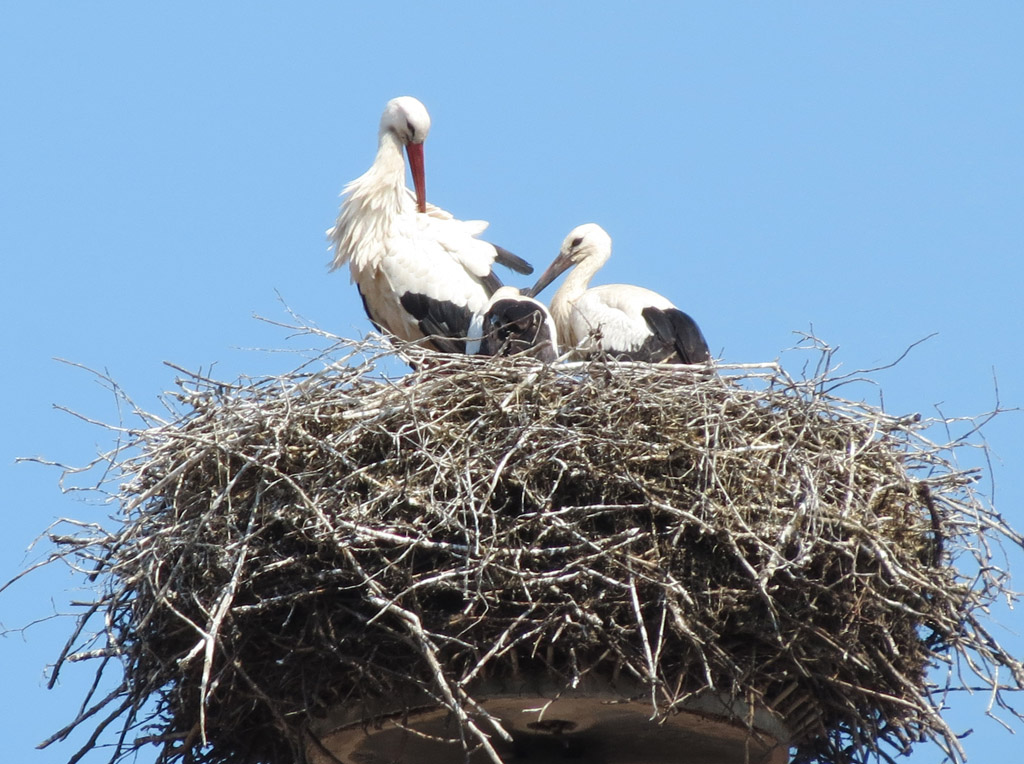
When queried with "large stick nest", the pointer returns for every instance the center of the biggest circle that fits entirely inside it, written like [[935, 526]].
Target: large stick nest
[[333, 538]]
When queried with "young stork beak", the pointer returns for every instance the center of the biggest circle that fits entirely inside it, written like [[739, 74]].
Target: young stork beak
[[557, 267]]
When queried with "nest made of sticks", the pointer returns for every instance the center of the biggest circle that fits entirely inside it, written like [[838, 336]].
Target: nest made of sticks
[[333, 538]]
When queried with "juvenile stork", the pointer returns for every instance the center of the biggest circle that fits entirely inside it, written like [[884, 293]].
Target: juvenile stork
[[420, 272], [627, 322], [515, 324]]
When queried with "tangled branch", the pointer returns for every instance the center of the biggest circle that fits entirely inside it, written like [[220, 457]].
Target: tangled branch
[[333, 537]]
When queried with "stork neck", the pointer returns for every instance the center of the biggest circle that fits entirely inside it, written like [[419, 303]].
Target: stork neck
[[578, 279], [386, 177], [372, 203]]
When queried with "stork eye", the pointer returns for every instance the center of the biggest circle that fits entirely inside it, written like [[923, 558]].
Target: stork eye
[[577, 241], [408, 124]]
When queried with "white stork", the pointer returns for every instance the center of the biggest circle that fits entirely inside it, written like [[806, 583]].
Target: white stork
[[420, 272], [514, 324], [625, 321]]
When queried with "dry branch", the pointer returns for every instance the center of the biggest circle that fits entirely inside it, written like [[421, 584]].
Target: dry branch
[[334, 537]]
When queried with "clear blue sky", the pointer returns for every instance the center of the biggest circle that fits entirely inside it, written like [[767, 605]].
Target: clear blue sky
[[165, 169]]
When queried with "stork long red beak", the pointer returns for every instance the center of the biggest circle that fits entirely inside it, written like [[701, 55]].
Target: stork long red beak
[[558, 265], [419, 180]]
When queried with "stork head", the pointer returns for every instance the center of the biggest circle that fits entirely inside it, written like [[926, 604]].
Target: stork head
[[407, 119], [585, 242], [588, 242], [504, 293]]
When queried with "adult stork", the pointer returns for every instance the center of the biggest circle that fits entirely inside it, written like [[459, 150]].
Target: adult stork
[[514, 324], [627, 322], [420, 272]]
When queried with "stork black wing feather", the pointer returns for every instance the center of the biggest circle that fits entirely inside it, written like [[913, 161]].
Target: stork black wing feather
[[444, 322], [675, 328]]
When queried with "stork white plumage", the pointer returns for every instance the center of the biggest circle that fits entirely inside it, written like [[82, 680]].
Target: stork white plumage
[[625, 321], [514, 324], [420, 272]]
